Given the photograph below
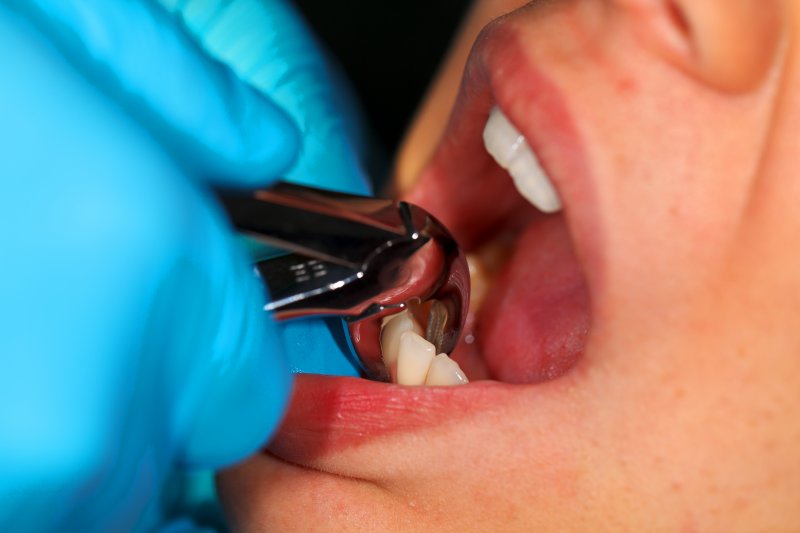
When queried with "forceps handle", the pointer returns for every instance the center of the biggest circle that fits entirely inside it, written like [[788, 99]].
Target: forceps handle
[[338, 228], [346, 247]]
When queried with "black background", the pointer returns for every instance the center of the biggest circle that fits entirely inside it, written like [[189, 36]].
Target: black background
[[389, 51]]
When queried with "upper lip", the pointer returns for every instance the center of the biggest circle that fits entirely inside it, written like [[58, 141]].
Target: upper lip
[[329, 414], [533, 102]]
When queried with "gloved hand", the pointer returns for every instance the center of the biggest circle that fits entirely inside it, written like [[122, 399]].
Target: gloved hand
[[132, 338], [267, 44]]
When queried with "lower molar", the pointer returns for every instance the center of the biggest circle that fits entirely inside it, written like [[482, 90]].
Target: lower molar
[[411, 359]]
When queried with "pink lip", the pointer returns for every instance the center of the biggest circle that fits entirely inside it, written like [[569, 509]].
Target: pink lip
[[500, 73], [331, 414]]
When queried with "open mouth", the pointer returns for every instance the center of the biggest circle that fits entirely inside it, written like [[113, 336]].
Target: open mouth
[[530, 317], [529, 314], [511, 183]]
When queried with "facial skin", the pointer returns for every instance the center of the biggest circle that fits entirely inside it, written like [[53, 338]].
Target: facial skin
[[669, 130]]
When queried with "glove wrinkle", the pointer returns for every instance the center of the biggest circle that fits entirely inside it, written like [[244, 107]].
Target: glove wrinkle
[[265, 43], [135, 51]]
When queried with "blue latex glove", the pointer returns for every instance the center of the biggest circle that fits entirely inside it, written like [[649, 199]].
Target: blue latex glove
[[254, 37], [131, 333]]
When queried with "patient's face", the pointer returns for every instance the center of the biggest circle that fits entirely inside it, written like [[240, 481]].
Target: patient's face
[[641, 349]]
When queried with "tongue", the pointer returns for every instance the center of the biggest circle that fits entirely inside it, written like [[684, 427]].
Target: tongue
[[534, 322]]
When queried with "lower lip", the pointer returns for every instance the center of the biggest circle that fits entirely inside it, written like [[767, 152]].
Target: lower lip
[[330, 414]]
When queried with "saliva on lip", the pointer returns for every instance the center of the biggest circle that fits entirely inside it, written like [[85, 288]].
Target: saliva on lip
[[411, 359]]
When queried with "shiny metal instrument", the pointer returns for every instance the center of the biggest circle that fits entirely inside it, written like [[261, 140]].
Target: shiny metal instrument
[[359, 258]]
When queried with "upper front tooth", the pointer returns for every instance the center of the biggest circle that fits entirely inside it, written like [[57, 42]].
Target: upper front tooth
[[511, 151]]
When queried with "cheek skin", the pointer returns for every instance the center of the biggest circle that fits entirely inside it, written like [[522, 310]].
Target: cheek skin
[[672, 165], [687, 381], [693, 356], [518, 462], [266, 494], [465, 476], [707, 436]]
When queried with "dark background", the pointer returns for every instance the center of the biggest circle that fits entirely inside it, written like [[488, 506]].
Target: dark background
[[389, 51]]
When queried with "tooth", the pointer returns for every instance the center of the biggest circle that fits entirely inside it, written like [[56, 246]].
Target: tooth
[[414, 358], [445, 371], [391, 329], [511, 151]]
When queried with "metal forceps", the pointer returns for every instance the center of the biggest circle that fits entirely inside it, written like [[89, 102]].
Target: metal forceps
[[359, 258]]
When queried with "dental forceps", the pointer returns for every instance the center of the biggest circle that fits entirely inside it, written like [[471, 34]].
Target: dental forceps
[[359, 258]]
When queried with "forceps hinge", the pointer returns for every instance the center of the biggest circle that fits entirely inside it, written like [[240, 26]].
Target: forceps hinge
[[346, 250]]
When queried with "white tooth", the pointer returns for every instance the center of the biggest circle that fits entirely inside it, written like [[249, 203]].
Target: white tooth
[[392, 328], [445, 371], [413, 359], [511, 151]]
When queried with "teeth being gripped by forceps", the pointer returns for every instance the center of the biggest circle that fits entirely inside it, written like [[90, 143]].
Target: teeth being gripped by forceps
[[359, 258]]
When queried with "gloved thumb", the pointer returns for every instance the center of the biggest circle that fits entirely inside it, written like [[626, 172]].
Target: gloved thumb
[[268, 45], [215, 126]]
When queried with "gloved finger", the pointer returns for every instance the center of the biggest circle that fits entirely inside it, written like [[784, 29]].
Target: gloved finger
[[267, 43], [217, 127]]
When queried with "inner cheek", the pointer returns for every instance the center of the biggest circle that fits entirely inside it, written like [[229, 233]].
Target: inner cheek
[[535, 319]]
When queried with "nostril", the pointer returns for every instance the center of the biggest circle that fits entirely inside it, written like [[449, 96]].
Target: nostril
[[679, 19]]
